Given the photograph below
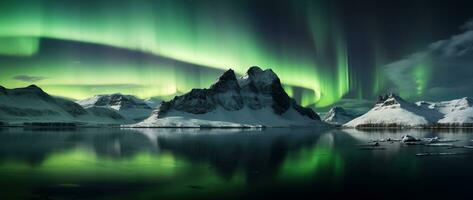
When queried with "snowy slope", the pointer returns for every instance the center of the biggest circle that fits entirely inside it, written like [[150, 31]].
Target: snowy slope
[[153, 102], [256, 99], [338, 116], [129, 107], [222, 118], [457, 111], [392, 110], [33, 105], [180, 121]]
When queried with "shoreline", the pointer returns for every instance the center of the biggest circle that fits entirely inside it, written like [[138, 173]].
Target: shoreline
[[77, 126]]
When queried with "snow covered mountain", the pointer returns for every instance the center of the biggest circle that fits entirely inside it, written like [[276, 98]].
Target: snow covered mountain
[[457, 111], [153, 102], [33, 105], [393, 111], [255, 99], [128, 106], [338, 116]]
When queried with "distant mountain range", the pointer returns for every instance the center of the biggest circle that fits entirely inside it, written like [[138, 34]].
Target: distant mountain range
[[339, 116], [129, 107], [393, 111], [256, 99], [32, 105], [457, 111]]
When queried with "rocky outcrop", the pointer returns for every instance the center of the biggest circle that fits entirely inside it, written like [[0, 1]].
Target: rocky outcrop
[[392, 111], [338, 116], [129, 107], [255, 90]]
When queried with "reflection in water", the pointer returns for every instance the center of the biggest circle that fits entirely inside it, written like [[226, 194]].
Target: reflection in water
[[308, 161], [215, 163]]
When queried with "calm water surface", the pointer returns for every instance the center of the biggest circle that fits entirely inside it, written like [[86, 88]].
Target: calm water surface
[[230, 164]]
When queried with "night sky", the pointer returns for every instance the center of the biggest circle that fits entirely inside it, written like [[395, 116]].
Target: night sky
[[325, 52]]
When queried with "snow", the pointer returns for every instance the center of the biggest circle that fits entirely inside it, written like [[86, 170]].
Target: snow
[[32, 105], [397, 116], [458, 117], [446, 107], [396, 111], [458, 111], [223, 118], [153, 102], [408, 138], [103, 115], [184, 122], [259, 77], [135, 109], [405, 114], [86, 103], [256, 99], [338, 116]]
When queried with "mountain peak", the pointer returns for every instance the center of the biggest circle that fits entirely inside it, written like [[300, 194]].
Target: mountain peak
[[383, 97], [338, 116], [454, 105], [258, 93], [256, 74], [129, 107], [266, 82], [116, 100], [337, 109], [29, 90], [254, 70], [467, 100], [389, 99], [227, 81], [228, 75], [34, 87], [393, 111], [117, 94]]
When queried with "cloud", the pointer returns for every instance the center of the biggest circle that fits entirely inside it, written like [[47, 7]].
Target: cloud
[[30, 79], [468, 25], [443, 70]]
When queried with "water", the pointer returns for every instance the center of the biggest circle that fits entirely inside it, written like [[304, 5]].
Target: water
[[229, 164]]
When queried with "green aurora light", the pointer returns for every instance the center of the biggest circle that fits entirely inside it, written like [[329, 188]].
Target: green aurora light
[[196, 34]]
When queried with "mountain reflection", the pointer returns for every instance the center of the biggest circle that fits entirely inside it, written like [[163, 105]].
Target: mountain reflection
[[100, 163], [256, 154]]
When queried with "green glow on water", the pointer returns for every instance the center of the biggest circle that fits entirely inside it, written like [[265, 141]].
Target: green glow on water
[[80, 167], [311, 161]]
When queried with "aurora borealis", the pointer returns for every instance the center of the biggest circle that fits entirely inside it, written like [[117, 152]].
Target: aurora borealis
[[323, 51]]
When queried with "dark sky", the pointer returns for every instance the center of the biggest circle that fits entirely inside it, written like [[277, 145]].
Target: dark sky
[[324, 51], [400, 26], [397, 28]]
